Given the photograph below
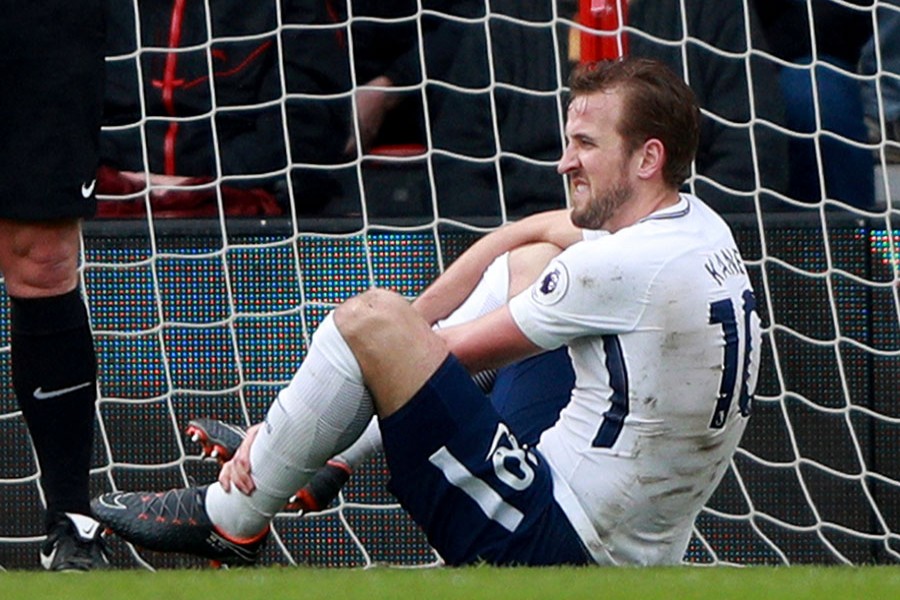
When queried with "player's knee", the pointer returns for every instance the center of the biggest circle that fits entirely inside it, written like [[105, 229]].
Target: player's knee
[[394, 346], [43, 275], [372, 313], [527, 262], [40, 258]]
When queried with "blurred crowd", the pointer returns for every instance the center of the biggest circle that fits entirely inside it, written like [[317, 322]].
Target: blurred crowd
[[328, 108]]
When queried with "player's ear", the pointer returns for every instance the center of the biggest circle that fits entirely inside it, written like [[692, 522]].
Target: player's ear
[[653, 158]]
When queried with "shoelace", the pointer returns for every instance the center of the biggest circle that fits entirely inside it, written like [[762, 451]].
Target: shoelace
[[174, 506]]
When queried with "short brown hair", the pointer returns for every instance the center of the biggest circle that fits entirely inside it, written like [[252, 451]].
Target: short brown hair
[[658, 104]]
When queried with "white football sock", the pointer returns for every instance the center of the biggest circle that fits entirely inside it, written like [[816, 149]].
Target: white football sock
[[490, 294], [364, 448], [322, 411]]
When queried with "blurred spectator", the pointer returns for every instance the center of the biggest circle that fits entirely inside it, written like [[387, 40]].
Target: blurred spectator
[[190, 90], [164, 82], [483, 103], [725, 165], [188, 78], [887, 102], [488, 74], [825, 58]]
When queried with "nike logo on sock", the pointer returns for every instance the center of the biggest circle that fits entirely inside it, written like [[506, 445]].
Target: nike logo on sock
[[40, 394], [88, 189]]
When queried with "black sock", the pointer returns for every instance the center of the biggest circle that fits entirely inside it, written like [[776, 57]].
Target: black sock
[[54, 371]]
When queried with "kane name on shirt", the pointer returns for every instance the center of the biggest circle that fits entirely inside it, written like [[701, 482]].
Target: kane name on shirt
[[725, 263]]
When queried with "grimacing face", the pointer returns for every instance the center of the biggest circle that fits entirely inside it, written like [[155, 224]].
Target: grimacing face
[[595, 159]]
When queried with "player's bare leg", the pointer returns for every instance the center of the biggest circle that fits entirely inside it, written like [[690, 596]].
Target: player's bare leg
[[54, 376], [392, 343]]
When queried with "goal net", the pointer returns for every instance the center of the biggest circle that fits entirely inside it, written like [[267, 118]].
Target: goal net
[[204, 285]]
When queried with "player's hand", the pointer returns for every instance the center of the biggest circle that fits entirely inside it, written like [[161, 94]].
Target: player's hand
[[237, 470], [177, 190], [372, 106], [140, 179]]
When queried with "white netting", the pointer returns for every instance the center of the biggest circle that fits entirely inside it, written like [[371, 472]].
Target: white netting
[[197, 313]]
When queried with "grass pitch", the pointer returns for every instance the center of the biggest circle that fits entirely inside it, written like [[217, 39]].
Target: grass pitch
[[595, 583]]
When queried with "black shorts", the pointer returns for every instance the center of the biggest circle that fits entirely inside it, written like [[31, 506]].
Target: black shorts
[[51, 104]]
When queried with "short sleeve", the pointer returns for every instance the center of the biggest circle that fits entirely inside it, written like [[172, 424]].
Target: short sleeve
[[592, 288]]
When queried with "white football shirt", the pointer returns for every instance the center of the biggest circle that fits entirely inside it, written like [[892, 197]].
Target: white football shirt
[[661, 326]]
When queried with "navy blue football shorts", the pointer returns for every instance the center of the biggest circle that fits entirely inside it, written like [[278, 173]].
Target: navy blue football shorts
[[51, 104], [530, 394], [479, 495]]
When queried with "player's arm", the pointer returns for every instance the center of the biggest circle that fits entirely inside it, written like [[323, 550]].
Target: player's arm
[[488, 342], [453, 286]]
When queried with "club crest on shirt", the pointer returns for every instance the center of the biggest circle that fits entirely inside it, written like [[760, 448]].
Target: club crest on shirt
[[552, 285]]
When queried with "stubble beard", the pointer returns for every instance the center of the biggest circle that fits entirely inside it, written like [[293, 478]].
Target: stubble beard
[[598, 210]]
